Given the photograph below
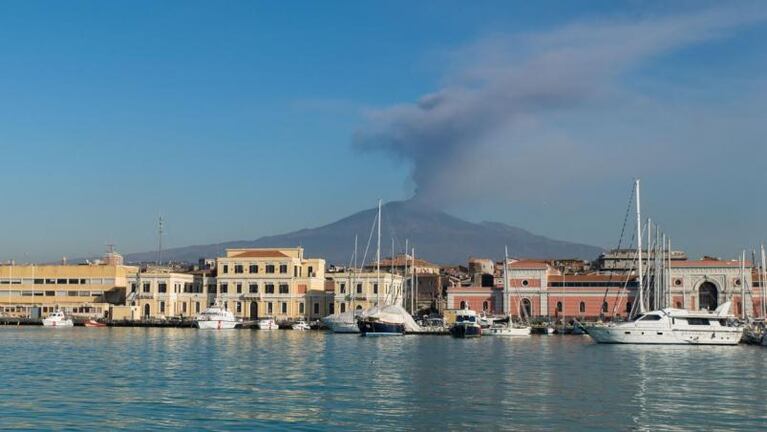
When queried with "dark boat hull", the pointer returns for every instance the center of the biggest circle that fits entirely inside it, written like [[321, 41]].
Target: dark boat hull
[[465, 331], [378, 328]]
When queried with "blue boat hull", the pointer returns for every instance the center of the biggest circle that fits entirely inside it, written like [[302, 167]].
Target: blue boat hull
[[465, 331], [377, 328]]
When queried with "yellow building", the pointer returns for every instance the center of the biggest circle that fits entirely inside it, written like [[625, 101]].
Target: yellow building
[[164, 293], [85, 290], [278, 283], [360, 290]]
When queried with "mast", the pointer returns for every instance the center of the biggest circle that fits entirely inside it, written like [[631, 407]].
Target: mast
[[506, 281], [415, 285], [743, 285], [378, 254], [639, 249], [763, 274], [412, 281]]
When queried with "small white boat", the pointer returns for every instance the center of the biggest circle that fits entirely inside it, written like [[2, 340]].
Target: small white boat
[[267, 324], [301, 325], [216, 318], [548, 331], [343, 323], [502, 330], [58, 319]]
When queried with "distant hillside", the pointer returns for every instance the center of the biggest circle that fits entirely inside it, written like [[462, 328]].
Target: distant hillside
[[436, 236]]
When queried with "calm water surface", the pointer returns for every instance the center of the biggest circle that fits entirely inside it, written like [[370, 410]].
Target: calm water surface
[[155, 379]]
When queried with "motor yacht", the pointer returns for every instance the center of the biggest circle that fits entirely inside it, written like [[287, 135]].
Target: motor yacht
[[466, 325], [672, 326], [216, 318], [267, 324]]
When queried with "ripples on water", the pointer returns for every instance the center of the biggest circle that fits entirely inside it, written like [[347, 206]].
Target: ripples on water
[[142, 379]]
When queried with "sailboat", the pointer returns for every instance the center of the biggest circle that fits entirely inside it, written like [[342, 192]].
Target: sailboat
[[669, 325], [509, 328]]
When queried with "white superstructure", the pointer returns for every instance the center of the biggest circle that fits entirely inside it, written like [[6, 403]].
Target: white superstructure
[[673, 326], [267, 324], [216, 318], [58, 319]]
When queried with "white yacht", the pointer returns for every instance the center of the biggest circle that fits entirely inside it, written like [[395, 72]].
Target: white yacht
[[673, 326], [506, 330], [216, 318], [58, 319], [343, 323], [267, 324]]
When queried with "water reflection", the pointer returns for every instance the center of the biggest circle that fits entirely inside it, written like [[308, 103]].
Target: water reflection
[[182, 378]]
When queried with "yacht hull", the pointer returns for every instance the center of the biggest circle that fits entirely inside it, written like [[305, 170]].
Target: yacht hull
[[617, 335], [378, 328], [58, 323], [216, 325], [466, 331], [506, 331]]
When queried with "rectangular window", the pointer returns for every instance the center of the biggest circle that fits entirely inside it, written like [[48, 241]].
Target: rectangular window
[[239, 288], [375, 288], [269, 308], [61, 281], [269, 288], [226, 268], [183, 307], [284, 308], [269, 268], [162, 307], [50, 293], [295, 271], [37, 281], [283, 268], [342, 288], [162, 287], [72, 293], [284, 289], [224, 288], [147, 287], [83, 281], [301, 308], [197, 307], [239, 307], [253, 268], [316, 308], [133, 287], [238, 268], [359, 288], [331, 307], [311, 271], [74, 281], [253, 288]]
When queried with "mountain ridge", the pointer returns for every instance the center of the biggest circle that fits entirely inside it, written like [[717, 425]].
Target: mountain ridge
[[436, 235]]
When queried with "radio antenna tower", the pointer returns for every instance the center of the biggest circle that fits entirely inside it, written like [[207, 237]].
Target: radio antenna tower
[[159, 239]]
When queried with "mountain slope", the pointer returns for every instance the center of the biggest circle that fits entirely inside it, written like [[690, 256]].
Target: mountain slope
[[436, 236]]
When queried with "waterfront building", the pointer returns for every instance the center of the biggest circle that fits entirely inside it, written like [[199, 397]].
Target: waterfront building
[[350, 290], [161, 292], [274, 282], [537, 289], [624, 260], [83, 291]]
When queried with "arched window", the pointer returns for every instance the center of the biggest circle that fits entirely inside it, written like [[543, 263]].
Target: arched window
[[559, 306], [343, 307], [463, 304], [359, 307], [146, 310], [628, 307], [582, 307], [485, 306], [604, 307]]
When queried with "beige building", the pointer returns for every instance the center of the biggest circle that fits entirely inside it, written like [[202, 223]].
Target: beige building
[[164, 293], [86, 290], [361, 290], [276, 282]]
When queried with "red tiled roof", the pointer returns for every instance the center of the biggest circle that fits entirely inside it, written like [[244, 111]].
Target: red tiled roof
[[529, 264], [261, 254]]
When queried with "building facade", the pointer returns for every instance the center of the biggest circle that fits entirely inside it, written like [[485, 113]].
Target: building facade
[[362, 290], [279, 283], [164, 293], [84, 291]]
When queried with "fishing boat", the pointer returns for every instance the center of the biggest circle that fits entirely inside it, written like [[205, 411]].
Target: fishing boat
[[301, 325], [58, 319], [466, 325], [216, 318], [267, 324], [94, 324]]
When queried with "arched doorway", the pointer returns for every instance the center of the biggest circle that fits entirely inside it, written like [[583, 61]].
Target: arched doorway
[[708, 296], [253, 310], [463, 304], [146, 310], [526, 308]]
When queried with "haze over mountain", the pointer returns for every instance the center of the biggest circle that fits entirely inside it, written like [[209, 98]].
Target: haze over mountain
[[435, 235]]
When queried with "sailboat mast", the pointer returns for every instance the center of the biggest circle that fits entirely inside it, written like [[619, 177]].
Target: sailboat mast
[[764, 282], [743, 285], [378, 254], [506, 281], [639, 249]]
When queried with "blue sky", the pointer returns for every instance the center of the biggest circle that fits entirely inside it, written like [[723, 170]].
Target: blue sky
[[240, 119]]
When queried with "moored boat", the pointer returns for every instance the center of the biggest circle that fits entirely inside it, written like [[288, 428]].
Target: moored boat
[[466, 325], [58, 319], [94, 324], [374, 327], [216, 318], [301, 325], [267, 324]]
